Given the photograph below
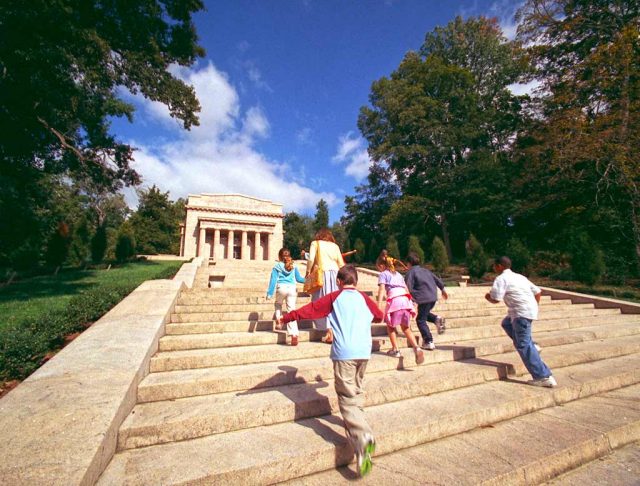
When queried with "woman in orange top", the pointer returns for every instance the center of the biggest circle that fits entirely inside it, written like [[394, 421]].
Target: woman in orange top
[[330, 262]]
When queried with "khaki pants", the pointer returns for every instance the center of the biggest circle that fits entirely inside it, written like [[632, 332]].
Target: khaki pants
[[288, 294], [349, 381]]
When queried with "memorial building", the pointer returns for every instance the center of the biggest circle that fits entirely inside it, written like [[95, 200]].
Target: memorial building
[[231, 226]]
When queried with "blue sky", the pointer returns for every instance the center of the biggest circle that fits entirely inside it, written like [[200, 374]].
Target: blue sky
[[281, 87]]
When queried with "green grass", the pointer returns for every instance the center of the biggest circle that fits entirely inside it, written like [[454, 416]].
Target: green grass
[[36, 296]]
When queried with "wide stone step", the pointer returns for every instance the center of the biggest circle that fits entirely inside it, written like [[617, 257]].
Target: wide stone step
[[468, 311], [529, 449], [188, 418], [190, 381], [226, 340], [293, 449], [620, 467], [545, 314]]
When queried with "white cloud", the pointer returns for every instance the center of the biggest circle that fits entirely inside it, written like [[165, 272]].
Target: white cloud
[[303, 136], [520, 89], [352, 151], [505, 11], [218, 155]]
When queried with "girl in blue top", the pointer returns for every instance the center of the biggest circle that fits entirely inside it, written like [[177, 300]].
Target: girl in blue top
[[283, 283]]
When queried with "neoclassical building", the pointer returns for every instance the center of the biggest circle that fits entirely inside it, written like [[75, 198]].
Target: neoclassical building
[[231, 226]]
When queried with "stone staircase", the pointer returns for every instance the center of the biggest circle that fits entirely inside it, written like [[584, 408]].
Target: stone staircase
[[227, 402]]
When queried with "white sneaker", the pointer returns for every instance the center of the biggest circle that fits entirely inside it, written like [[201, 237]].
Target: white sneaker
[[429, 346], [419, 355], [548, 382]]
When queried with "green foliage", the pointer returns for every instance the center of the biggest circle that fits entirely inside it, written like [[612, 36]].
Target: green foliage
[[321, 219], [359, 246], [439, 256], [392, 247], [58, 246], [587, 259], [519, 254], [24, 343], [477, 261], [415, 247], [126, 245], [156, 223], [99, 244], [298, 232]]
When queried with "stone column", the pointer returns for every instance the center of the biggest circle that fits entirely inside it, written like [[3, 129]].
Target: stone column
[[230, 245], [182, 234], [270, 250], [216, 242], [256, 247], [203, 235], [244, 251]]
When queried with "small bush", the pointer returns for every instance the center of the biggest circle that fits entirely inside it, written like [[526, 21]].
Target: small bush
[[392, 247], [477, 260], [125, 247], [359, 246], [414, 246], [439, 256], [99, 244], [587, 259], [519, 255]]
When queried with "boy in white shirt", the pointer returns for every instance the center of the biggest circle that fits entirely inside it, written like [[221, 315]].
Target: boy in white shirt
[[522, 298]]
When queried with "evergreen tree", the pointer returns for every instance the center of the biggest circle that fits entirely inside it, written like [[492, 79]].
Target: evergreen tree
[[439, 256], [321, 219], [58, 246], [477, 261], [99, 244], [361, 250], [126, 245], [415, 247], [156, 223], [519, 255], [297, 233], [392, 247]]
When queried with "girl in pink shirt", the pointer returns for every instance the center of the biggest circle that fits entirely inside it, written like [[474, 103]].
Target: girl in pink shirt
[[399, 307]]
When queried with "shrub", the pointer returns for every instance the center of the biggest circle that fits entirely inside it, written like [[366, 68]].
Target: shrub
[[359, 246], [99, 244], [414, 246], [125, 247], [392, 247], [439, 256], [477, 261], [519, 255], [587, 259]]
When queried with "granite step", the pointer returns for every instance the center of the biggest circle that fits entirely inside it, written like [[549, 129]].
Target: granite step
[[558, 439], [188, 418], [290, 450], [545, 314], [283, 370]]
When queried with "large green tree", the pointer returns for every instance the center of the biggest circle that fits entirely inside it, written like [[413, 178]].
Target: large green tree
[[156, 223], [298, 232], [442, 112], [582, 154], [63, 68]]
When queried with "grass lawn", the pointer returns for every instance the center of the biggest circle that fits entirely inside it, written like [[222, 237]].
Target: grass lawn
[[35, 296]]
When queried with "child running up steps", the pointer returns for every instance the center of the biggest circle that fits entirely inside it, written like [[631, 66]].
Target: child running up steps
[[283, 282], [423, 286], [350, 313], [399, 308]]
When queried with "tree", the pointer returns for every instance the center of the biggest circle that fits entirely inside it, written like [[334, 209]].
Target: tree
[[156, 223], [439, 256], [125, 245], [64, 65], [519, 254], [392, 247], [442, 111], [58, 246], [360, 256], [99, 244], [477, 261], [587, 260], [321, 219], [415, 247], [586, 141], [297, 232]]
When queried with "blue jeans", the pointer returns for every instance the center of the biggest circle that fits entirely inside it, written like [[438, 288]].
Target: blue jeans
[[424, 315], [519, 330]]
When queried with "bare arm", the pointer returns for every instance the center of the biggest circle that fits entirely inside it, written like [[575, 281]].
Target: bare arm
[[491, 299], [537, 297], [380, 293]]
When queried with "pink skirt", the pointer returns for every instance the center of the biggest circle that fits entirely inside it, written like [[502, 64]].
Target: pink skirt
[[400, 318]]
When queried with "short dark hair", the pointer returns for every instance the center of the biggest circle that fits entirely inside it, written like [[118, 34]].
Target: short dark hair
[[504, 261], [348, 275], [413, 258]]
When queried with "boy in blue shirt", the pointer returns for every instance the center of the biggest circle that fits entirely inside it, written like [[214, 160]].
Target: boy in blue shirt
[[350, 313]]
